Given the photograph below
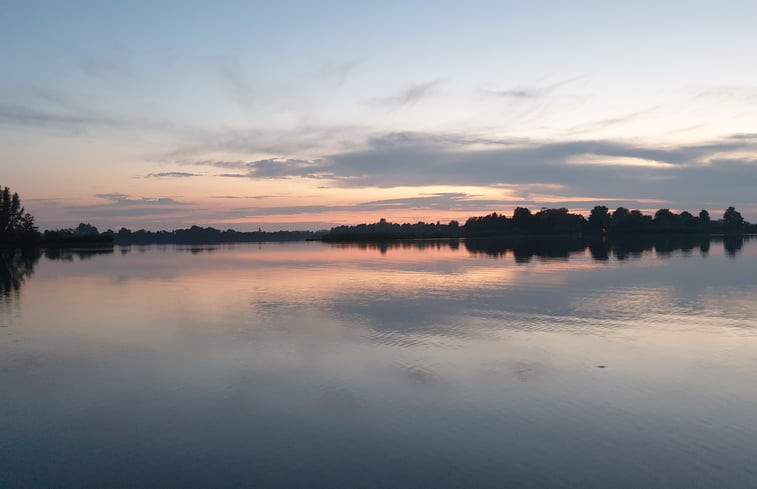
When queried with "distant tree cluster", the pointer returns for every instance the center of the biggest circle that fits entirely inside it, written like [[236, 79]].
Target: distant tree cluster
[[552, 222], [384, 230], [82, 235], [523, 222], [209, 235], [602, 221]]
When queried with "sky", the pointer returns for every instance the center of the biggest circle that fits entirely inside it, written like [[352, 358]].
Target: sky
[[305, 115]]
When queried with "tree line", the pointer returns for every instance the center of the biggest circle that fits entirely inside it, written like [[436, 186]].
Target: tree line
[[553, 222], [207, 235]]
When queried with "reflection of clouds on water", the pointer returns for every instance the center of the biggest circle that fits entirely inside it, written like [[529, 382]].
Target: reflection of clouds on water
[[526, 371], [339, 399], [420, 375], [502, 372], [579, 295], [19, 362]]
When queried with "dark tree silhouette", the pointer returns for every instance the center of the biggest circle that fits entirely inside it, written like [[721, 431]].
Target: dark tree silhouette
[[665, 220], [599, 219], [703, 221], [553, 222], [522, 219], [84, 229], [209, 235], [82, 235], [557, 221], [733, 220], [620, 219], [15, 223]]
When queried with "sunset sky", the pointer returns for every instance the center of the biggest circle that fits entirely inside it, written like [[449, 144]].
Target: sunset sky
[[303, 115]]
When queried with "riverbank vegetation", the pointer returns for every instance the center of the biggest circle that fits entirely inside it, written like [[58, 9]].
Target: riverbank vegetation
[[554, 222], [208, 235]]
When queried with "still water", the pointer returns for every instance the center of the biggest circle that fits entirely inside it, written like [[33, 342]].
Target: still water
[[428, 364]]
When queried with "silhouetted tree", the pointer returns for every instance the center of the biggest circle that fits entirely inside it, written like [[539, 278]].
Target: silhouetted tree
[[619, 219], [687, 221], [557, 221], [599, 219], [638, 222], [84, 229], [209, 235], [522, 219], [15, 223], [490, 225], [664, 220], [733, 220], [83, 235]]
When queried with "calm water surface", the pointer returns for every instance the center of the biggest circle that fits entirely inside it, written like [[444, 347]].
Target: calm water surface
[[430, 365]]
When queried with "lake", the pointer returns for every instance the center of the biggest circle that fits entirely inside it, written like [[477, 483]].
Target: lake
[[413, 364]]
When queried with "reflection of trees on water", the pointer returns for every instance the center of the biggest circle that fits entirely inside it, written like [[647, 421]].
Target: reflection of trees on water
[[734, 243], [414, 244], [523, 249], [602, 249], [16, 265], [68, 254]]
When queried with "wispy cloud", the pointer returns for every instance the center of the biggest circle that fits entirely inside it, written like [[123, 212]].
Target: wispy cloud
[[521, 93], [743, 95], [240, 197], [20, 115], [268, 168], [123, 200], [112, 63], [231, 165], [338, 72], [302, 139], [610, 121], [411, 95], [232, 73], [172, 174], [616, 161], [438, 201], [69, 118], [122, 207], [529, 92]]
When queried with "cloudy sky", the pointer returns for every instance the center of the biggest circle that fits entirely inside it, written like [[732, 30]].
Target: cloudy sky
[[307, 114]]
